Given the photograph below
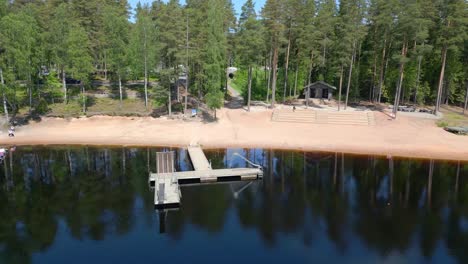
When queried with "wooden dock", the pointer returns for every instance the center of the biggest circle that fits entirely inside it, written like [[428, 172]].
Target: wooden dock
[[198, 158], [167, 190], [167, 181], [167, 193]]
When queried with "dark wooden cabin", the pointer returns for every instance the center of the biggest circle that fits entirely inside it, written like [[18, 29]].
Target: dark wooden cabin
[[319, 89]]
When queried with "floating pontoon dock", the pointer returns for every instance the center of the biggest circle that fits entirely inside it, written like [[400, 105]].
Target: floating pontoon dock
[[167, 181]]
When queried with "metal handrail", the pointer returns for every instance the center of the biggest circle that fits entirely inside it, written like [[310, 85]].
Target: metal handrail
[[248, 161]]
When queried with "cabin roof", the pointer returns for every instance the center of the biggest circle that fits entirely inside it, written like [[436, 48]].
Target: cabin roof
[[318, 84]]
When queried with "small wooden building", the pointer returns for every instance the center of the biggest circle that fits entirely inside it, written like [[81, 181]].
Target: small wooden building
[[319, 89]]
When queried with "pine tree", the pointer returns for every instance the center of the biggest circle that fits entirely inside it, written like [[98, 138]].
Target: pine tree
[[79, 59], [351, 34], [20, 35], [143, 45], [215, 54], [249, 39], [325, 23], [60, 26], [117, 34], [307, 39], [272, 16], [382, 13], [452, 31]]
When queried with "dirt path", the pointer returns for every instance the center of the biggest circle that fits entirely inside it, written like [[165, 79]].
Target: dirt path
[[405, 136]]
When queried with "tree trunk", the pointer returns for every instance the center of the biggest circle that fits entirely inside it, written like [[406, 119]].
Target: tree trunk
[[404, 49], [269, 78], [286, 67], [169, 103], [350, 75], [418, 75], [309, 79], [381, 77], [146, 67], [358, 69], [295, 80], [30, 97], [372, 88], [339, 88], [466, 98], [186, 89], [120, 91], [273, 81], [249, 87], [146, 83], [324, 51], [30, 88], [84, 97], [187, 65], [441, 79], [64, 86], [105, 66], [265, 71], [5, 107]]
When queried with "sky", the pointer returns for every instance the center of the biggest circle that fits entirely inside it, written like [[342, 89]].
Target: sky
[[237, 4]]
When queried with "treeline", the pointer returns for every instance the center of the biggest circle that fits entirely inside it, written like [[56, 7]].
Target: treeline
[[378, 50]]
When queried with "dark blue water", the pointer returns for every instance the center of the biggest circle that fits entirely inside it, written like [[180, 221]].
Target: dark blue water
[[93, 205]]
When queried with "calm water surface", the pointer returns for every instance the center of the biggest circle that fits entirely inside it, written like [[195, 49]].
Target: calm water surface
[[93, 205]]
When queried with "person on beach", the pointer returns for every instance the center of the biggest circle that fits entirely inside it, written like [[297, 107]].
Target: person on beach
[[294, 108], [2, 154], [11, 131]]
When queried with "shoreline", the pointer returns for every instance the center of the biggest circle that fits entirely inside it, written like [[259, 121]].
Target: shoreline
[[406, 137], [394, 154]]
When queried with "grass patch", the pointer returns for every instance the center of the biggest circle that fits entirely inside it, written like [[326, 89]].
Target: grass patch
[[107, 105], [72, 109], [101, 106], [452, 118]]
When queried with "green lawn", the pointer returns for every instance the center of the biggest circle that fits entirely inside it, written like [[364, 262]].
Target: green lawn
[[453, 117]]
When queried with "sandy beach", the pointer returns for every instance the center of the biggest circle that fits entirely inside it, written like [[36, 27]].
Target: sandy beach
[[404, 137]]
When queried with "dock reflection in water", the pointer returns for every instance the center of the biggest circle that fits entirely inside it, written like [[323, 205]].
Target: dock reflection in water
[[80, 204]]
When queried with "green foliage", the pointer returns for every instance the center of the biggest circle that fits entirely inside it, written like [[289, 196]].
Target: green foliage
[[89, 39], [424, 93], [214, 99], [52, 86], [215, 50], [249, 36], [79, 60], [142, 42], [20, 35], [116, 30], [162, 89]]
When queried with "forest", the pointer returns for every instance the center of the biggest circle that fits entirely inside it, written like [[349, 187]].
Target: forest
[[56, 52]]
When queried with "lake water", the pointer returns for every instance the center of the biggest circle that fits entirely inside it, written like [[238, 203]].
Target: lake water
[[93, 205]]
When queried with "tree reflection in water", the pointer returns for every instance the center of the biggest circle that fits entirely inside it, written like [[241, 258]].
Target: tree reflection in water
[[385, 205]]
